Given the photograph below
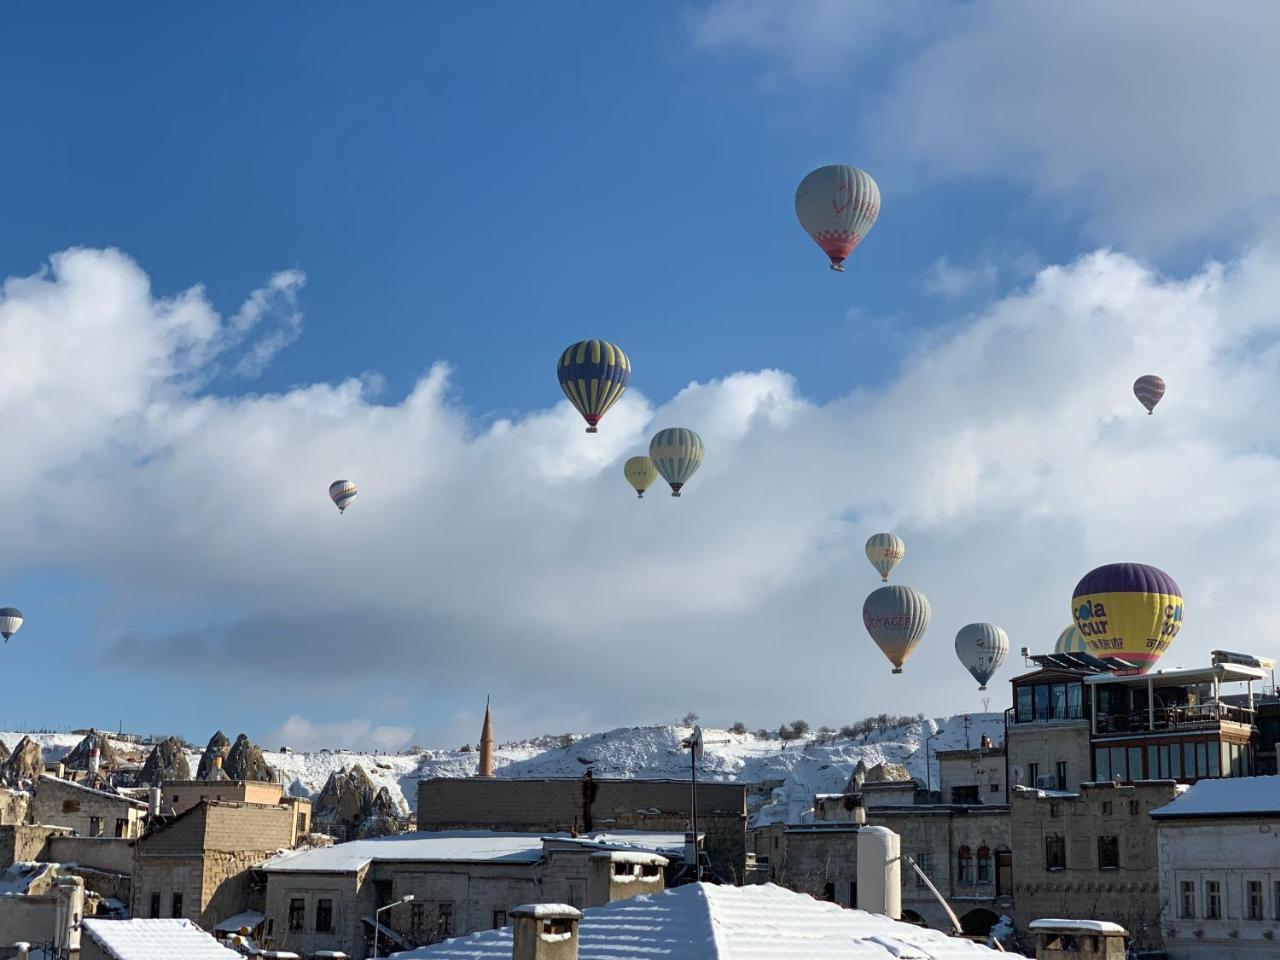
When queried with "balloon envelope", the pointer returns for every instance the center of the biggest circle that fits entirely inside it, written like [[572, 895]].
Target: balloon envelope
[[1149, 390], [1071, 640], [640, 473], [884, 550], [1128, 610], [982, 647], [593, 375], [676, 453], [837, 206], [342, 492], [896, 617], [10, 621]]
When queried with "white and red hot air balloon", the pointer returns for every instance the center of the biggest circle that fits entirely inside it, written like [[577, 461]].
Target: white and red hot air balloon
[[837, 206]]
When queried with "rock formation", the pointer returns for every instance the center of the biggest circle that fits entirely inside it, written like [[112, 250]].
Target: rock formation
[[245, 762], [78, 758], [351, 806], [24, 764], [168, 761], [4, 752], [888, 773], [218, 747]]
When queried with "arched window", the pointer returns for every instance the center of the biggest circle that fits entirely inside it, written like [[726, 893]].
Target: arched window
[[964, 859], [984, 864]]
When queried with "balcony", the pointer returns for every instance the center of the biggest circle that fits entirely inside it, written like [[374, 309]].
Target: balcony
[[1213, 715]]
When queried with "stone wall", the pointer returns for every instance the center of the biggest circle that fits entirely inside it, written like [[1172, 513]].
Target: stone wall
[[592, 804], [98, 853], [182, 795], [351, 900], [32, 919], [984, 769], [14, 805], [1046, 744], [25, 842], [67, 804], [1082, 889]]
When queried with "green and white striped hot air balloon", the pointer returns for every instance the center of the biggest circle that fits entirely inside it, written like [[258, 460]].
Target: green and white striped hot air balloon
[[884, 550], [677, 453]]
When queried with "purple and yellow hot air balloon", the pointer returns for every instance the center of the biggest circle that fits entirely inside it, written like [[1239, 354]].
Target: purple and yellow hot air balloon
[[1128, 610]]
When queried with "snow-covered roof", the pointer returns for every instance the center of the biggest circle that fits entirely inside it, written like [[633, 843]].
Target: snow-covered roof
[[250, 919], [1230, 797], [700, 921], [16, 878], [1045, 794], [1223, 672], [1069, 926], [155, 940], [641, 841], [61, 782], [452, 845]]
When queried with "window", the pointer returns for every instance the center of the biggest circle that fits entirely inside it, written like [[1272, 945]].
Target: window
[[624, 869], [1033, 774], [1075, 698], [1276, 886], [382, 892], [1055, 809], [324, 916], [652, 869], [1133, 808], [155, 906], [965, 795], [95, 826], [1189, 760], [121, 827], [302, 823], [1106, 808], [297, 914], [984, 864], [1117, 764], [1055, 852], [1175, 761], [499, 919], [1108, 853], [444, 920], [418, 920], [1060, 772], [1153, 762], [1202, 760], [995, 788], [1102, 764], [1024, 710], [1254, 890], [177, 905], [1212, 900], [1164, 761], [1135, 763], [964, 865], [1215, 755], [1187, 903], [853, 893], [922, 861], [829, 891]]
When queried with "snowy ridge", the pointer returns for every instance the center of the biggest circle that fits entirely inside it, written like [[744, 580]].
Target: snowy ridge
[[781, 777]]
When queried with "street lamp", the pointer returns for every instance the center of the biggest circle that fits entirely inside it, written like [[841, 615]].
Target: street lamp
[[395, 903], [928, 769]]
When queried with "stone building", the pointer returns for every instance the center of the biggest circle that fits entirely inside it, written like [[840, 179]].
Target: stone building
[[179, 796], [43, 908], [589, 804], [26, 842], [87, 811], [459, 882], [1089, 854], [196, 865], [1218, 848]]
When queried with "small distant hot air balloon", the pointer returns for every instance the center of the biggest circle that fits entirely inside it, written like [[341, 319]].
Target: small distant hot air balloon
[[676, 453], [640, 473], [10, 622], [593, 375], [1071, 640], [1149, 389], [982, 647], [1128, 610], [896, 617], [884, 550], [837, 206], [342, 492]]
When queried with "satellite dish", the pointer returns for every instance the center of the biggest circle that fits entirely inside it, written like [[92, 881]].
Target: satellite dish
[[695, 743]]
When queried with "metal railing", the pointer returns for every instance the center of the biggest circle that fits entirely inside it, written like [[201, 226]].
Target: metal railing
[[1175, 718], [1065, 711]]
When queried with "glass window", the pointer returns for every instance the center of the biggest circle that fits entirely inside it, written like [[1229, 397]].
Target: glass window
[[499, 919], [1135, 763], [1212, 900], [1055, 853], [1043, 706], [297, 914], [1153, 762], [1033, 774], [1189, 760], [177, 905], [1102, 760], [922, 861], [1276, 913], [1106, 808], [1175, 761], [1059, 701], [155, 906], [444, 920], [1117, 764], [1229, 760], [1060, 774], [1025, 710], [95, 826], [1187, 902], [1245, 770], [1075, 693], [1215, 754], [984, 865], [1108, 853], [324, 916], [1202, 759], [964, 863], [1254, 890], [1164, 761]]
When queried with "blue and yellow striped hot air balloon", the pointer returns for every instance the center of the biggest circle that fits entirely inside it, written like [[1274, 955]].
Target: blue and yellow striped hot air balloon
[[1071, 640], [1128, 610], [593, 375], [677, 453]]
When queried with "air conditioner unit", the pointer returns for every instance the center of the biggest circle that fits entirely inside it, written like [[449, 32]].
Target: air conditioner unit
[[1046, 782]]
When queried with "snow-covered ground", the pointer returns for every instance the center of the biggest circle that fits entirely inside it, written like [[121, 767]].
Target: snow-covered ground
[[781, 777]]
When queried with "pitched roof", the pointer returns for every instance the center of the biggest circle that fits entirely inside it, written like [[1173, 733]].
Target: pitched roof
[[705, 922], [155, 940], [1229, 797]]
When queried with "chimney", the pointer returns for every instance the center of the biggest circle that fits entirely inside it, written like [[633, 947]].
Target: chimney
[[217, 761], [153, 802], [879, 872], [95, 758], [24, 950], [985, 742], [486, 745], [69, 910], [545, 931]]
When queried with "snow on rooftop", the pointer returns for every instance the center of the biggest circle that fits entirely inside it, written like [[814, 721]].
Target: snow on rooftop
[[1092, 926], [155, 940], [16, 878], [705, 922], [452, 845], [63, 782], [1226, 797]]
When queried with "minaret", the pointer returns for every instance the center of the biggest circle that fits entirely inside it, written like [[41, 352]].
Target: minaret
[[486, 744]]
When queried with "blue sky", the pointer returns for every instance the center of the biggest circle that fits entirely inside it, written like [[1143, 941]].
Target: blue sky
[[479, 188]]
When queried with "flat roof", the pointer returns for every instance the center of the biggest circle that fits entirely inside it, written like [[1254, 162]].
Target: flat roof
[[1226, 797], [1179, 676]]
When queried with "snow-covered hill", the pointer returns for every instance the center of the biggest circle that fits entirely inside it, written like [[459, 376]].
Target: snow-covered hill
[[781, 777]]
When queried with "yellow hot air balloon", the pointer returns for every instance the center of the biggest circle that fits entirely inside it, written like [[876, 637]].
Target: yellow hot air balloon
[[1128, 610], [640, 473]]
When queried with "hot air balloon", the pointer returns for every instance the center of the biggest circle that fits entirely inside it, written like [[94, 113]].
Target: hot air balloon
[[1149, 389], [676, 453], [982, 647], [10, 622], [640, 473], [593, 374], [837, 206], [884, 550], [896, 617], [342, 492], [1128, 610], [1071, 640]]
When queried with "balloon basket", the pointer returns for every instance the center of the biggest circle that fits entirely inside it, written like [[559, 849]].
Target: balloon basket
[[837, 267], [897, 670], [592, 430]]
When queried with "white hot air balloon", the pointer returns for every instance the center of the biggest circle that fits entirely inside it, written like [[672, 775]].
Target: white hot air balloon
[[884, 550], [10, 622], [837, 206], [982, 647], [896, 617], [342, 492]]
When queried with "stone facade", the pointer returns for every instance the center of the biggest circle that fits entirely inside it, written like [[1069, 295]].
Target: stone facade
[[972, 776], [14, 805], [22, 843], [1228, 866], [88, 812], [1036, 750], [1090, 855], [592, 804], [197, 865]]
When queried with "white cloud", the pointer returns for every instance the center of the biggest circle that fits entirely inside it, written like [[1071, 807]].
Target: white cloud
[[1152, 122], [952, 282], [299, 733], [1009, 453]]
